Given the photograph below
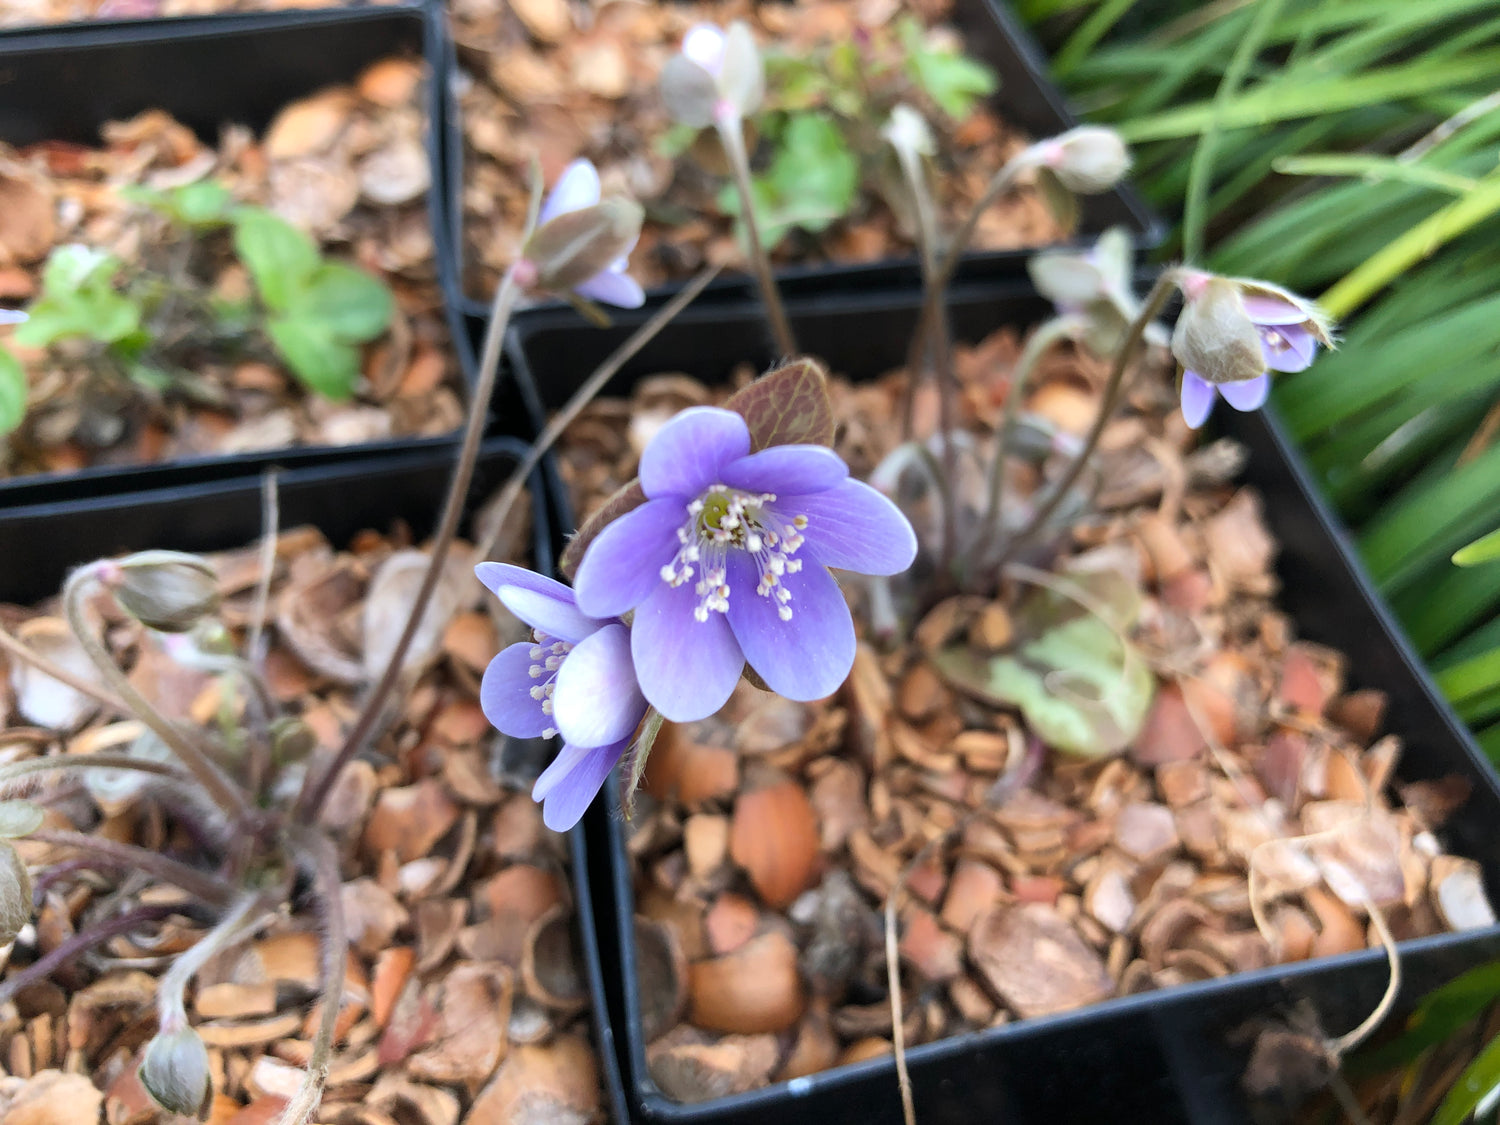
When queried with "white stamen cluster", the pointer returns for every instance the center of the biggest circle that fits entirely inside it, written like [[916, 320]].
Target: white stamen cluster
[[546, 659], [1275, 340], [725, 519]]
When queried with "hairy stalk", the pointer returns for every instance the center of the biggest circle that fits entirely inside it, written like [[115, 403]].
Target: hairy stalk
[[131, 858], [937, 286], [733, 139], [582, 397], [315, 789], [270, 525], [85, 939], [1155, 301], [21, 651], [60, 763], [326, 880], [218, 787], [1052, 332], [942, 344], [173, 984]]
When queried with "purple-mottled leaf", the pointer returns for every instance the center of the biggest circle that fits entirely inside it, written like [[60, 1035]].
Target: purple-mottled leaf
[[627, 499], [788, 405]]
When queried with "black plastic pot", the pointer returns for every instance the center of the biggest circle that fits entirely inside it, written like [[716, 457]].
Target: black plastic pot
[[1027, 98], [42, 543], [64, 82], [1156, 1058]]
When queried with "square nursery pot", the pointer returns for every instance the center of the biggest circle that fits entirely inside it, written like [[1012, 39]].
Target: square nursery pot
[[63, 82], [43, 542], [1026, 97], [1156, 1057]]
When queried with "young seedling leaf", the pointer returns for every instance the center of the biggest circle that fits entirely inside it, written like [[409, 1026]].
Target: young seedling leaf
[[954, 82], [279, 257], [324, 363], [12, 391], [203, 204], [351, 304], [788, 405], [628, 498], [815, 171]]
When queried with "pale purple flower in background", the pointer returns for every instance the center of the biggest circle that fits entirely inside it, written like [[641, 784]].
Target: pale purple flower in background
[[575, 679], [1232, 333], [13, 316], [578, 189], [727, 562], [717, 78]]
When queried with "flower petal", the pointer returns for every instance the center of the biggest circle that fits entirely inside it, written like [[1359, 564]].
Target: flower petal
[[557, 618], [1197, 399], [618, 289], [704, 44], [597, 700], [505, 694], [622, 566], [573, 780], [686, 667], [787, 468], [1267, 308], [807, 657], [853, 527], [576, 188], [1250, 394], [690, 451], [1288, 348], [494, 575]]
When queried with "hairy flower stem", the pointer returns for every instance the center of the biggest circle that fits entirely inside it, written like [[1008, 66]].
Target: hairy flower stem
[[582, 397], [1042, 340], [942, 344], [733, 138], [21, 651], [218, 787], [59, 763], [1155, 301], [327, 879], [131, 858], [64, 953], [317, 786], [171, 1011]]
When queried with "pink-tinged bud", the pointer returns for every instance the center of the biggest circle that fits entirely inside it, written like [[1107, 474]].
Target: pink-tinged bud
[[718, 77], [575, 246], [1215, 337], [1089, 159], [175, 1072], [166, 590], [15, 894]]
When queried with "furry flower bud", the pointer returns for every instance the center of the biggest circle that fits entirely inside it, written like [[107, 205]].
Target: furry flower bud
[[1215, 336], [166, 590], [15, 894], [719, 75], [907, 131], [574, 247], [175, 1072], [1089, 159]]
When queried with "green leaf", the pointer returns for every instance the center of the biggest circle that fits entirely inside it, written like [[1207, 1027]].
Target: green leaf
[[12, 391], [78, 301], [954, 82], [813, 174], [1373, 168], [1474, 1086], [323, 362], [1441, 1013], [1482, 550], [788, 405], [279, 257], [75, 266], [352, 305], [205, 203]]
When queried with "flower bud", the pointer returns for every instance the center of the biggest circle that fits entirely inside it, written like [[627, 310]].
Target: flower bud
[[576, 246], [1089, 159], [175, 1072], [907, 131], [15, 894], [1215, 337], [166, 591], [292, 740], [718, 74]]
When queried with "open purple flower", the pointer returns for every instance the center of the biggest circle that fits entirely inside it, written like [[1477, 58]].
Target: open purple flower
[[562, 255], [1232, 333], [727, 562], [575, 678]]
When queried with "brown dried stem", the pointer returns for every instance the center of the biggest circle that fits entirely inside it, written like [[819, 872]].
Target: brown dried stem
[[315, 790], [733, 139]]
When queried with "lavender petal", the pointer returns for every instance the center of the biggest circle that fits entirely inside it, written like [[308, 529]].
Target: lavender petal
[[622, 566], [1292, 348], [576, 188], [1251, 394], [566, 795], [494, 575], [787, 468], [853, 527], [505, 694], [686, 668], [806, 657], [612, 288], [691, 449], [1265, 308], [561, 619], [597, 700], [1197, 399], [704, 45]]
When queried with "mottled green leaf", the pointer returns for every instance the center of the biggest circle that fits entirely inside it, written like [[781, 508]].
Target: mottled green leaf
[[280, 257], [12, 391], [788, 405], [629, 497], [322, 362]]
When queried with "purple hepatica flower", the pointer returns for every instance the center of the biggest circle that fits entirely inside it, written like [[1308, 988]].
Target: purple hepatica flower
[[575, 678], [727, 562], [1287, 331], [576, 189]]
